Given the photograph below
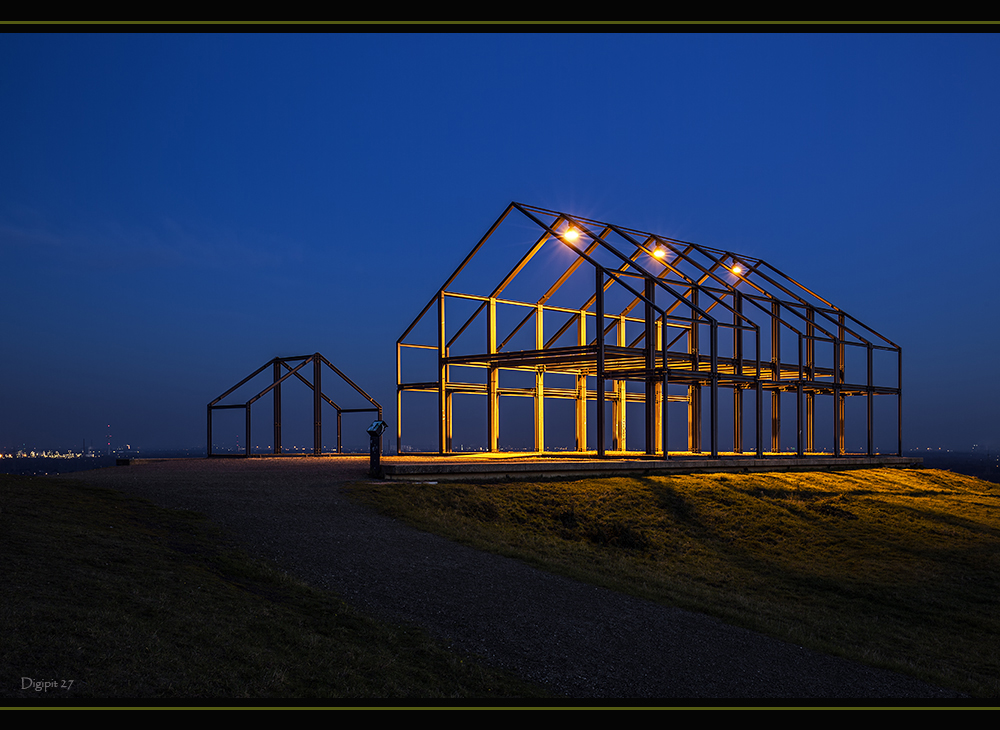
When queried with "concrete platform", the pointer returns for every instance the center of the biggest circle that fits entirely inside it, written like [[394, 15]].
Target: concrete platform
[[482, 467]]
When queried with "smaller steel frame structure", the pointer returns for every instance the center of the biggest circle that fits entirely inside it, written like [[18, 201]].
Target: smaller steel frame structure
[[279, 366], [702, 319]]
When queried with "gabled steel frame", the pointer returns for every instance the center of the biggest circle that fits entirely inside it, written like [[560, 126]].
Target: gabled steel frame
[[278, 367], [702, 290]]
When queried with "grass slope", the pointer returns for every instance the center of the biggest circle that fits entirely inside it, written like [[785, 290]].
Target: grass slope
[[105, 597], [897, 568]]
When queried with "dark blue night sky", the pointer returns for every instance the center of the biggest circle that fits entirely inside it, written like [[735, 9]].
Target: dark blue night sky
[[177, 209]]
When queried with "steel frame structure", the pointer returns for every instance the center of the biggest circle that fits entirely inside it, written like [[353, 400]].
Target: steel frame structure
[[709, 319], [278, 365]]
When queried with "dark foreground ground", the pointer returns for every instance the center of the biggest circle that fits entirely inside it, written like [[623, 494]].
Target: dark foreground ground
[[575, 639]]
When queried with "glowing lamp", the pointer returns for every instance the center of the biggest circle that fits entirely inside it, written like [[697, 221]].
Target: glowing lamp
[[659, 252], [737, 269], [571, 234]]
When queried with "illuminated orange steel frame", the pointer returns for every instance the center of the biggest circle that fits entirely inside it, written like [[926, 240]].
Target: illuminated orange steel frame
[[681, 319], [278, 367]]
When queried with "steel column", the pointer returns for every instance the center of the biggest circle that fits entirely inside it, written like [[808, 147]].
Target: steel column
[[650, 358], [399, 397], [581, 388], [838, 397], [798, 405], [317, 406], [738, 371], [444, 428], [899, 404], [618, 404], [492, 381], [811, 376], [714, 415], [870, 399], [664, 389], [600, 361], [776, 376], [276, 373], [539, 382], [694, 390]]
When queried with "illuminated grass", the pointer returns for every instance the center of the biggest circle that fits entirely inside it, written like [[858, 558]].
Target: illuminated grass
[[897, 568], [110, 597]]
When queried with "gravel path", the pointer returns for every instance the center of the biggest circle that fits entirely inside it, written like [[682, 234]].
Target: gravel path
[[577, 640]]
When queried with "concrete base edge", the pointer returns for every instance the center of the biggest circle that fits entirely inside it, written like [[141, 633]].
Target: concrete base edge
[[556, 468]]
